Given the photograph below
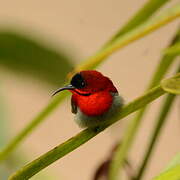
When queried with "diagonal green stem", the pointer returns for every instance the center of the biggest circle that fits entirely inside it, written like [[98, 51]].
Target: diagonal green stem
[[161, 119], [93, 62], [156, 132], [27, 130], [61, 150], [131, 36], [129, 136], [148, 9]]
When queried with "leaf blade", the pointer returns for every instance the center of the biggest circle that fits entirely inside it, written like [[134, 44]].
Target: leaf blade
[[143, 14], [25, 55], [171, 85], [171, 174]]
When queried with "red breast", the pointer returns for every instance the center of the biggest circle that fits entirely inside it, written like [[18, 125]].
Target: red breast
[[98, 91]]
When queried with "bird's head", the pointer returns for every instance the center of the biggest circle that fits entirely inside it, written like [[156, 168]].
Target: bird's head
[[88, 82]]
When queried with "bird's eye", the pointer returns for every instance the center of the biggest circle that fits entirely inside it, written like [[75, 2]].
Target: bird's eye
[[78, 81]]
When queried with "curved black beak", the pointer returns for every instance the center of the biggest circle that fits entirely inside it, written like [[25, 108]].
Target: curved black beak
[[68, 87]]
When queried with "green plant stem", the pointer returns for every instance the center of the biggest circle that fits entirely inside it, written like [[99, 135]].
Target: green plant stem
[[93, 62], [131, 36], [167, 104], [27, 130], [161, 119], [129, 136], [148, 9], [165, 63], [61, 150]]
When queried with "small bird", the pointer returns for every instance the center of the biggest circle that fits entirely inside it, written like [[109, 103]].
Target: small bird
[[94, 98]]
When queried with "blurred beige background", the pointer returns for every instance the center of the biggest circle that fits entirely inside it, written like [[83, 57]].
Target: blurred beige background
[[82, 27]]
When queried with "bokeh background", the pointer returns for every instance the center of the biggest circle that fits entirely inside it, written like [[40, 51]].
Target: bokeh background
[[77, 29]]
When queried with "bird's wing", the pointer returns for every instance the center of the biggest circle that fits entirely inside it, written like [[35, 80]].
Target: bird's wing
[[73, 106]]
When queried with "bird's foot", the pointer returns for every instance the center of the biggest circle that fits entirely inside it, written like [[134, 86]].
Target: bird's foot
[[97, 129]]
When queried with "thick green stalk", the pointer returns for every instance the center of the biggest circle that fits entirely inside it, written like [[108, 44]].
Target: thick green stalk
[[93, 62], [129, 136], [61, 150], [167, 104]]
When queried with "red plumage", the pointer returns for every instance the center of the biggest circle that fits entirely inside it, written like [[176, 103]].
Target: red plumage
[[93, 105], [94, 98], [100, 99]]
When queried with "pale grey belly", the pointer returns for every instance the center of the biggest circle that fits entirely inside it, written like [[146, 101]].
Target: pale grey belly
[[91, 121]]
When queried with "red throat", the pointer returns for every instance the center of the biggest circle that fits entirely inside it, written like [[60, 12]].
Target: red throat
[[95, 104]]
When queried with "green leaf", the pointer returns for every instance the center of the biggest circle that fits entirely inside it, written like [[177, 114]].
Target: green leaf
[[173, 50], [171, 174], [23, 54], [171, 85], [175, 161]]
